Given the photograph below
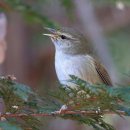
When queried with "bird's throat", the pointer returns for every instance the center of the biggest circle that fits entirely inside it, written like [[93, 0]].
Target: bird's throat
[[73, 50]]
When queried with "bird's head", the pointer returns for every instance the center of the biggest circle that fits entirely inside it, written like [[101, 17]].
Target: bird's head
[[67, 40]]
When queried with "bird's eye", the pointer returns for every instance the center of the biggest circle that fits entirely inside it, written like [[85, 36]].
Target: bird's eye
[[63, 36]]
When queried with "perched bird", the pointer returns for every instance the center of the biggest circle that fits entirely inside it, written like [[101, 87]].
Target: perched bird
[[73, 57]]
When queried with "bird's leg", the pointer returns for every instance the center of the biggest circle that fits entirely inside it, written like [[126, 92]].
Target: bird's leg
[[62, 110]]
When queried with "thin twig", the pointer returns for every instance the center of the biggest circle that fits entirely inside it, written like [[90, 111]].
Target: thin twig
[[86, 113]]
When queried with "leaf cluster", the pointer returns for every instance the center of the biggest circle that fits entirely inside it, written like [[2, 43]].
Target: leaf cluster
[[98, 98], [20, 99], [13, 95], [82, 97]]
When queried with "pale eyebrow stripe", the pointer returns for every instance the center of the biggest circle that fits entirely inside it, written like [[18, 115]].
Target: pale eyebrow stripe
[[65, 34], [68, 36]]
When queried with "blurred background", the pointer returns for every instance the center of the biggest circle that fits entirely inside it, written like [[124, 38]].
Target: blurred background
[[29, 56]]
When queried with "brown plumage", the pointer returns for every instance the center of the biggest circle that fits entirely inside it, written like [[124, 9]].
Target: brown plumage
[[103, 74], [74, 57]]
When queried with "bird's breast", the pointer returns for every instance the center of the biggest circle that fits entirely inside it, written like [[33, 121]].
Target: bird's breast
[[81, 66]]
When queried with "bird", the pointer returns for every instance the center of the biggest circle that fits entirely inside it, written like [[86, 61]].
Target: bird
[[73, 56]]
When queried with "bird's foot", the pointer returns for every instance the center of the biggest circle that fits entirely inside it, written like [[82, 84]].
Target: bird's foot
[[62, 110]]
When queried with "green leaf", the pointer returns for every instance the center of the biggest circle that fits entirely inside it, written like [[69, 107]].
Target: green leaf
[[23, 91], [5, 125], [121, 92], [85, 97]]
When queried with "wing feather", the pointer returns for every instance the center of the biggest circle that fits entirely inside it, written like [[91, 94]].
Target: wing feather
[[103, 74]]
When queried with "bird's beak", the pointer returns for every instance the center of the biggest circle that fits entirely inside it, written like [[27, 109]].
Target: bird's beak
[[49, 35], [53, 32], [50, 30]]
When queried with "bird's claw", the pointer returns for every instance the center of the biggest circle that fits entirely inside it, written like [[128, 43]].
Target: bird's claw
[[62, 110]]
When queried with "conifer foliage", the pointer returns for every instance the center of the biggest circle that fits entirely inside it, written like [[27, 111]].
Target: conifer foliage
[[87, 104]]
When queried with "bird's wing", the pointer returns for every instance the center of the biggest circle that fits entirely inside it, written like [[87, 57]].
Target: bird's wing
[[103, 74]]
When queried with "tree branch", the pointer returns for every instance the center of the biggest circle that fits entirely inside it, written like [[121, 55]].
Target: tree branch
[[68, 112]]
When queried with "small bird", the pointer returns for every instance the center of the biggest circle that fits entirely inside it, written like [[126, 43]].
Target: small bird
[[73, 57]]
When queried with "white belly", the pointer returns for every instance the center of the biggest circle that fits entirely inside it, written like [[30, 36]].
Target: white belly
[[79, 65]]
